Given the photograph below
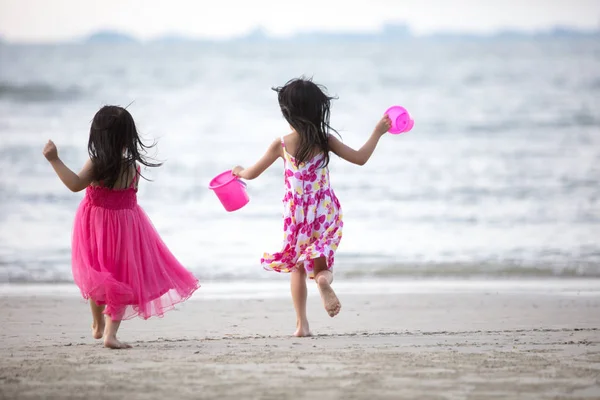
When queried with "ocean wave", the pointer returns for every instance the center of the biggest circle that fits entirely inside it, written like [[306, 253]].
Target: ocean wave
[[474, 270], [38, 274], [37, 92]]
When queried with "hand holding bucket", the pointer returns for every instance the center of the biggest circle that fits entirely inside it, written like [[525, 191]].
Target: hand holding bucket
[[401, 120], [230, 190]]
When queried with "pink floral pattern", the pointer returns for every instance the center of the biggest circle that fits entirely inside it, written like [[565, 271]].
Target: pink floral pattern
[[312, 219]]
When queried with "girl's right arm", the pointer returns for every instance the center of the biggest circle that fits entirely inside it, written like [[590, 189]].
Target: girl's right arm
[[75, 182], [273, 153], [361, 156]]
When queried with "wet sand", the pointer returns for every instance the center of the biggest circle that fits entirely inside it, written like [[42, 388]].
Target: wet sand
[[423, 340]]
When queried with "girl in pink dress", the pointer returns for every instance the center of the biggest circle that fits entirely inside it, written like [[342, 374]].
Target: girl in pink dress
[[119, 261], [312, 219]]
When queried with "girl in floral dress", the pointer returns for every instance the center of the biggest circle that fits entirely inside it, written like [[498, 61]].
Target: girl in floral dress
[[312, 220]]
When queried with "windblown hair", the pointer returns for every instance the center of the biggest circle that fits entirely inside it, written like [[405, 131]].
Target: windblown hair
[[114, 145], [306, 107]]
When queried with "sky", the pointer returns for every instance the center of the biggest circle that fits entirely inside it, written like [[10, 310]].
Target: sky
[[54, 20]]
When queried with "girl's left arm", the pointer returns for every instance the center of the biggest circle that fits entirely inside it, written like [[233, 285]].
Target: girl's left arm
[[75, 182], [273, 153]]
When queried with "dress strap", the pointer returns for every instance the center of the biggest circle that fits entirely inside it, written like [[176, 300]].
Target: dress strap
[[136, 178], [282, 143]]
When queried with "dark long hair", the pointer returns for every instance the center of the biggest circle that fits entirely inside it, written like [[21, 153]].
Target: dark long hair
[[115, 146], [305, 105]]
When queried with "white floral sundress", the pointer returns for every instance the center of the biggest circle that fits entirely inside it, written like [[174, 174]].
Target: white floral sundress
[[312, 218]]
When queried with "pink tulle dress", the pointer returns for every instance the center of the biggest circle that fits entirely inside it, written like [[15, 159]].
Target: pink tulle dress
[[120, 261]]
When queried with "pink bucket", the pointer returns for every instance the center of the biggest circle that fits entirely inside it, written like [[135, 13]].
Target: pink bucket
[[401, 120], [230, 190]]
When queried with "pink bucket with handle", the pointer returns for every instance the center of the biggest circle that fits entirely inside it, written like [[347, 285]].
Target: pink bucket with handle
[[230, 190], [401, 120]]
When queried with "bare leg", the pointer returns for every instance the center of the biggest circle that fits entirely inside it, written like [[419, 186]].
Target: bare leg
[[299, 294], [110, 335], [324, 278], [98, 324]]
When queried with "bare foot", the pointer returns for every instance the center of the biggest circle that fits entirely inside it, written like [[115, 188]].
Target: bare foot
[[113, 343], [98, 329], [302, 330], [330, 300]]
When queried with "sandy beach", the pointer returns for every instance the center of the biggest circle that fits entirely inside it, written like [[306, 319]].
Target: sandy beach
[[392, 340]]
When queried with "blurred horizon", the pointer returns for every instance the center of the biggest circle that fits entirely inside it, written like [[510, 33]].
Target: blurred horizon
[[37, 21], [388, 31]]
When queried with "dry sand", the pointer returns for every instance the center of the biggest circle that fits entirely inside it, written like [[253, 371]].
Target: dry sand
[[420, 340]]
